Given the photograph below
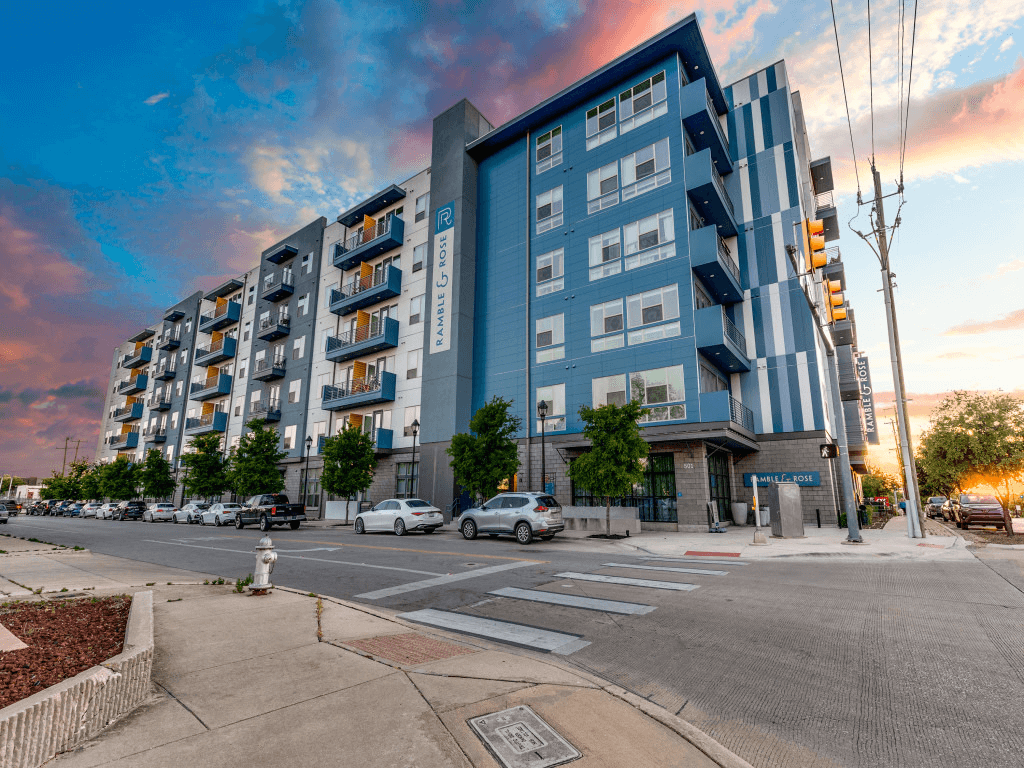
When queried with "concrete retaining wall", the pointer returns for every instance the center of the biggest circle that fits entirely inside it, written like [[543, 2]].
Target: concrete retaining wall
[[586, 521], [63, 716]]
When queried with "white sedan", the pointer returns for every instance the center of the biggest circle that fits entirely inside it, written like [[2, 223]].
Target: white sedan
[[400, 515], [91, 509], [190, 512], [106, 511], [160, 510], [220, 514]]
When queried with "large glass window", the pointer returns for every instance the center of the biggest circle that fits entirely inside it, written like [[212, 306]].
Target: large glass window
[[422, 206], [407, 474], [550, 268], [649, 311], [549, 210], [549, 150], [550, 338], [650, 240], [609, 390], [718, 484], [601, 124], [554, 396], [642, 103], [646, 169], [655, 496], [658, 388], [606, 326], [605, 255], [701, 296], [603, 187], [711, 380]]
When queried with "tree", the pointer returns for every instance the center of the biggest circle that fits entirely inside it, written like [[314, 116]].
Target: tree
[[120, 479], [349, 461], [613, 465], [155, 476], [483, 459], [66, 486], [91, 485], [253, 466], [54, 487], [974, 438], [878, 483], [205, 467]]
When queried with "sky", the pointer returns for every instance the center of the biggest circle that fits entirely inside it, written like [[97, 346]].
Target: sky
[[148, 150]]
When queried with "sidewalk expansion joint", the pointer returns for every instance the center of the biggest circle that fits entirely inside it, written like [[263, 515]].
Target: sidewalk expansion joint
[[439, 718], [185, 706]]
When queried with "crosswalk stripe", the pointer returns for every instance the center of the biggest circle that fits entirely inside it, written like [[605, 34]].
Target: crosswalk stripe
[[693, 561], [439, 581], [628, 582], [700, 571], [505, 631], [574, 601]]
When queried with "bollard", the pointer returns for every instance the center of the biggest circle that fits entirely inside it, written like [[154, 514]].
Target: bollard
[[818, 513]]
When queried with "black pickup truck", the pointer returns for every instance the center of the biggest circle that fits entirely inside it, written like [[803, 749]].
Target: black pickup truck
[[269, 509]]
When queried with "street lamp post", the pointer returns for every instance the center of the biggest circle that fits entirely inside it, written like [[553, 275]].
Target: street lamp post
[[412, 467], [542, 412], [305, 471]]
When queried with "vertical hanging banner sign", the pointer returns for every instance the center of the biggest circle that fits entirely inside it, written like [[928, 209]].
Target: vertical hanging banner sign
[[867, 399], [441, 312]]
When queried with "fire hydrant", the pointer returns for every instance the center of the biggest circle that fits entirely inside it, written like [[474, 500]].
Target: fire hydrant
[[265, 559]]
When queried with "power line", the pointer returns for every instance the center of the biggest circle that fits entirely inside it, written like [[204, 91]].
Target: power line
[[846, 101], [900, 50], [910, 81], [871, 85]]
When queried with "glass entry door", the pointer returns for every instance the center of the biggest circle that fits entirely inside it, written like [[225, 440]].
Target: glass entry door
[[718, 484]]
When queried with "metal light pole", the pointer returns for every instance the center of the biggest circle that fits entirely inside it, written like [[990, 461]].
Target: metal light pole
[[542, 412], [305, 470], [412, 467]]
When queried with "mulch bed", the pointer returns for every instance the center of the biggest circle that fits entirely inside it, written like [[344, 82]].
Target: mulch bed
[[64, 638], [985, 536]]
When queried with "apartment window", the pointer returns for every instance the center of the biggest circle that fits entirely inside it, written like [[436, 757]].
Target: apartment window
[[646, 169], [657, 388], [170, 453], [239, 402], [650, 240], [648, 311], [179, 385], [549, 210], [550, 338], [416, 309], [701, 297], [406, 477], [422, 206], [601, 124], [696, 220], [294, 390], [605, 253], [711, 380], [307, 264], [603, 187], [188, 325], [184, 357], [298, 348], [303, 306], [254, 397], [241, 369], [174, 420], [609, 390], [328, 290], [554, 396], [606, 326], [289, 437], [550, 268], [688, 144], [549, 150], [252, 295], [412, 364], [412, 413], [246, 331], [642, 103], [419, 257]]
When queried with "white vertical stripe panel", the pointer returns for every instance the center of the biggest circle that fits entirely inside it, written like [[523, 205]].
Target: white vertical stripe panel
[[779, 246], [755, 119], [781, 79], [805, 390], [766, 399], [777, 328], [746, 207], [748, 325], [762, 82], [781, 178], [736, 385], [825, 382], [741, 92]]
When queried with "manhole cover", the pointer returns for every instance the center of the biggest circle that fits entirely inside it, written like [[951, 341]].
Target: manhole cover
[[518, 738], [411, 648]]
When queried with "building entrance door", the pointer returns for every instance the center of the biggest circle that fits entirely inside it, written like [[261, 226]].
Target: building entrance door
[[718, 483]]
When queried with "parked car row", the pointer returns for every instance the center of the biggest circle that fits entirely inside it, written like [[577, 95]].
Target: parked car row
[[969, 509]]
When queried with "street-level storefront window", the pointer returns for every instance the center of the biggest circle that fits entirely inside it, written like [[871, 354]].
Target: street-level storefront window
[[311, 496], [655, 496], [407, 479]]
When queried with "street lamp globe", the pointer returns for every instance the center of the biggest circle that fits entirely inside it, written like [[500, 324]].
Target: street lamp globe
[[542, 409]]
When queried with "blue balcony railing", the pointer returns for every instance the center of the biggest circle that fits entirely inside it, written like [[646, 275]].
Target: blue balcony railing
[[209, 422], [223, 316], [138, 358], [364, 391], [362, 340], [365, 291], [720, 340], [388, 233]]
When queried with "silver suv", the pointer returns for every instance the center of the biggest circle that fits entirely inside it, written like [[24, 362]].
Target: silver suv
[[523, 514]]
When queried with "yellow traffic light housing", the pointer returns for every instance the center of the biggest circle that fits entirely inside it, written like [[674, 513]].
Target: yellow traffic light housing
[[834, 301], [814, 244]]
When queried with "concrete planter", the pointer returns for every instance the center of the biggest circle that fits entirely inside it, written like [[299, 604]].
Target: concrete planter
[[586, 521], [63, 716]]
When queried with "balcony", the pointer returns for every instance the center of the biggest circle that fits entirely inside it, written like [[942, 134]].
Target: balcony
[[721, 406], [365, 391], [170, 342], [155, 434], [214, 386], [207, 423], [126, 441], [279, 286], [365, 291], [282, 253], [128, 413], [269, 370], [701, 119], [160, 401], [132, 385], [720, 340], [711, 258], [706, 190], [217, 352], [165, 373], [844, 332], [268, 410], [382, 440], [273, 328], [363, 340], [138, 358], [360, 247], [223, 315], [849, 384]]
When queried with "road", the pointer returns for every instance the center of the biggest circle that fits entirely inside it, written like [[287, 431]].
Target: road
[[787, 662]]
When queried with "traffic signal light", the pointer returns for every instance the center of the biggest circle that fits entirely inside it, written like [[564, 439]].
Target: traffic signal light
[[834, 301], [814, 244]]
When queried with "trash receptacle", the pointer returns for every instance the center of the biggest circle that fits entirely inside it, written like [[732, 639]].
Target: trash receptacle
[[786, 510]]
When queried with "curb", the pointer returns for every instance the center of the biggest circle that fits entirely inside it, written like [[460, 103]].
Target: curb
[[34, 730]]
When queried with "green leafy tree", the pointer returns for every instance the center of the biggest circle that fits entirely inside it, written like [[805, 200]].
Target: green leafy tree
[[974, 438], [120, 479], [614, 463], [155, 476], [879, 483], [253, 466], [206, 472], [54, 487], [91, 485], [68, 485], [349, 461], [486, 456]]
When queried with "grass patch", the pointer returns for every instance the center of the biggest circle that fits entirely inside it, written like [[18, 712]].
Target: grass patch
[[242, 583]]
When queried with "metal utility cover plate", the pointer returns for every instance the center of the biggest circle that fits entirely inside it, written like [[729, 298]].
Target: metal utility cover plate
[[518, 738]]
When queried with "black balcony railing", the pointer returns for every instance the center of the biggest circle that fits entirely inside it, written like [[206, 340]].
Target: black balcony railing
[[354, 387], [726, 254], [216, 346], [364, 283], [357, 335], [740, 414], [271, 322], [721, 188], [277, 363], [199, 386], [733, 333], [285, 280], [718, 125], [206, 420], [266, 408], [382, 228]]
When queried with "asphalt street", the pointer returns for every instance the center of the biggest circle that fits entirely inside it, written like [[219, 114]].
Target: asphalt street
[[787, 662]]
